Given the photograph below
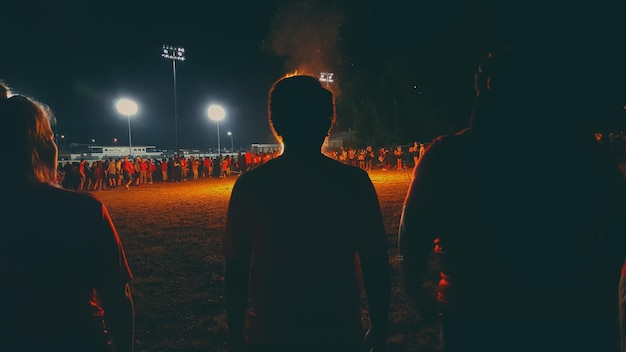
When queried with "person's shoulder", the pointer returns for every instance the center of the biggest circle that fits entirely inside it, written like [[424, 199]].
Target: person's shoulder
[[451, 140], [339, 168], [69, 197], [346, 168], [260, 173], [463, 134]]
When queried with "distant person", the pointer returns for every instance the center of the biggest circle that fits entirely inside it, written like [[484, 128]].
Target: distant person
[[83, 168], [226, 166], [97, 174], [111, 172], [68, 179], [242, 165], [165, 163], [399, 154], [137, 172], [293, 275], [128, 170], [217, 166], [370, 156], [208, 166], [178, 171], [414, 150], [529, 234], [65, 288]]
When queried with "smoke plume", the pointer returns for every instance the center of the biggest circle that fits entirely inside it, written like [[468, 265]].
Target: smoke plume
[[307, 34]]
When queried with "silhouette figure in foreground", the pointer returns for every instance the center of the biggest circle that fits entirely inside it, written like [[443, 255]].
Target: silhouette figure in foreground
[[300, 269], [529, 234], [622, 307], [63, 271]]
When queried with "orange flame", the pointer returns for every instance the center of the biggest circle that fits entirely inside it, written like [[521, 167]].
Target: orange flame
[[291, 74]]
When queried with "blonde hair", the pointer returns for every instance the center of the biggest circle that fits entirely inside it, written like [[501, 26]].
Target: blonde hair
[[30, 135]]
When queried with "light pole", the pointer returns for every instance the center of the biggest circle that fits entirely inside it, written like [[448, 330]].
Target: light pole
[[174, 54], [217, 114], [230, 134], [127, 108]]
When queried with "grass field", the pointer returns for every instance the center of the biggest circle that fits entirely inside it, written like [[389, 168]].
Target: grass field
[[172, 234]]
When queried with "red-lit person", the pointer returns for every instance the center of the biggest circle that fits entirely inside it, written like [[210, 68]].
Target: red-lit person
[[64, 288], [293, 277], [128, 170]]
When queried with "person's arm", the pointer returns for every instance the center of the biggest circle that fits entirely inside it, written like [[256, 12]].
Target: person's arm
[[377, 285], [236, 275], [114, 292], [375, 270], [622, 307], [119, 315], [236, 249], [415, 248], [417, 232]]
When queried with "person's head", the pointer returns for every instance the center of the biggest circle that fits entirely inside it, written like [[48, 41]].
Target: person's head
[[546, 88], [519, 89], [301, 112], [29, 136]]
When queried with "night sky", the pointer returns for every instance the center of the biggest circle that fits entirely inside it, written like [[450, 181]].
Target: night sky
[[79, 57]]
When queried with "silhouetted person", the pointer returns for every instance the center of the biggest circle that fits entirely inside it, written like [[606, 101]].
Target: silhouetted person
[[63, 271], [297, 265], [217, 167], [530, 233], [622, 307]]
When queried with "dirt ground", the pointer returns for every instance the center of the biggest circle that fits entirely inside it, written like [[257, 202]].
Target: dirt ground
[[172, 236]]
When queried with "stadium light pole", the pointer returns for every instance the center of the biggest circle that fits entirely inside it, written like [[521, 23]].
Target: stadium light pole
[[175, 54], [127, 108], [327, 77], [217, 114], [230, 134]]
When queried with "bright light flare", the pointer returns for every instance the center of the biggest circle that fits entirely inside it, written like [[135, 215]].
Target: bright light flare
[[173, 53], [126, 107], [216, 112], [326, 77]]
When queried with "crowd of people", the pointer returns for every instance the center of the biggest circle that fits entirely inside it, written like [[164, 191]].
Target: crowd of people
[[387, 158], [124, 172], [531, 257], [112, 173]]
